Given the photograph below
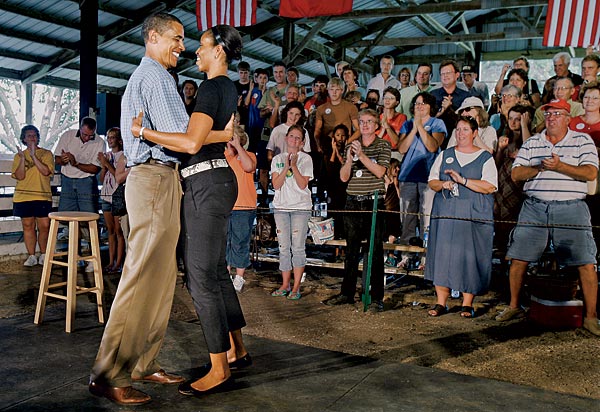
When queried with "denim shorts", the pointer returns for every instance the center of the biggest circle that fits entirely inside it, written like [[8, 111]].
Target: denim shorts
[[564, 223], [106, 206], [238, 238]]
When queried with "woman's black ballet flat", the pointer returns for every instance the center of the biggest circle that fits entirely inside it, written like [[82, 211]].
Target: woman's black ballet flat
[[222, 387], [241, 363], [186, 387]]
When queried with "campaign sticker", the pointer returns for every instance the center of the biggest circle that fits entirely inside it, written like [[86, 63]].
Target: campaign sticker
[[327, 111], [450, 160], [580, 126], [255, 96], [359, 173]]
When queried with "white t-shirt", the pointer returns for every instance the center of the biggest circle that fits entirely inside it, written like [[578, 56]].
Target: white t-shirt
[[290, 196], [277, 142], [489, 172]]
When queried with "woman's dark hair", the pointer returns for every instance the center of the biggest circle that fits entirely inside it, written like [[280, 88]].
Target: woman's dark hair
[[373, 91], [294, 105], [352, 69], [341, 127], [118, 136], [27, 128], [429, 99], [228, 38], [519, 72], [393, 91], [301, 129], [470, 120]]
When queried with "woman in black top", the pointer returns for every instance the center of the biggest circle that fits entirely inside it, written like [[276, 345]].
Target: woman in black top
[[210, 191]]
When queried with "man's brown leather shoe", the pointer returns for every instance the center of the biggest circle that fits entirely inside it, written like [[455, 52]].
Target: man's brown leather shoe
[[161, 377], [123, 396]]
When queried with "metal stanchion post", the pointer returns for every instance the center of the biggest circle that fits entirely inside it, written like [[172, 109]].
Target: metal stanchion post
[[366, 296]]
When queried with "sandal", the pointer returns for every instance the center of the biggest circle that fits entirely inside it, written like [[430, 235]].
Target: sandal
[[294, 296], [467, 312], [438, 310], [280, 292]]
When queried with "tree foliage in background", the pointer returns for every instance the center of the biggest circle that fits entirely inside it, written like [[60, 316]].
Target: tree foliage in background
[[55, 110]]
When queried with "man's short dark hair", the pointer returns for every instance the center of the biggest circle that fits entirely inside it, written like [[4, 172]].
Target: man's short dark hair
[[261, 71], [321, 78], [159, 22], [279, 64], [89, 122], [450, 62], [243, 66]]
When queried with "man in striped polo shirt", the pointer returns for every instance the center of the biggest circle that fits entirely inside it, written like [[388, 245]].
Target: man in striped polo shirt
[[365, 164], [555, 166]]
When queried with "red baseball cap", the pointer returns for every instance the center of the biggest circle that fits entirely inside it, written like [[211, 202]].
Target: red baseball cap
[[557, 104]]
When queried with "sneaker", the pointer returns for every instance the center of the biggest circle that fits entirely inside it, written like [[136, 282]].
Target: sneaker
[[31, 261], [509, 313], [376, 306], [592, 325], [339, 300], [238, 283], [41, 259], [90, 267], [64, 235], [390, 261]]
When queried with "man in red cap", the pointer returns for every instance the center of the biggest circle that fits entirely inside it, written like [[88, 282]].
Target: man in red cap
[[555, 165]]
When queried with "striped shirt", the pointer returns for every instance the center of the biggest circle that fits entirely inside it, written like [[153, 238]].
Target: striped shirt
[[575, 148], [151, 89], [362, 181]]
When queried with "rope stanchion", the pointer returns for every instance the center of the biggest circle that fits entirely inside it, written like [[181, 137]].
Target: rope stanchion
[[366, 296]]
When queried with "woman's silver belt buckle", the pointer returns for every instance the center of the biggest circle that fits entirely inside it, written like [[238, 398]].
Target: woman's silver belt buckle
[[203, 166]]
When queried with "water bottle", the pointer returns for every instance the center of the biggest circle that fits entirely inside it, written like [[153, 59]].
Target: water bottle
[[316, 208], [425, 237]]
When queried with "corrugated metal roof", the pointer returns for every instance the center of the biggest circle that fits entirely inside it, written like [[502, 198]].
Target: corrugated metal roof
[[46, 31]]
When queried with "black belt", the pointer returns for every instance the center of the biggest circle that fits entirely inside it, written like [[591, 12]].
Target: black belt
[[151, 161], [362, 198]]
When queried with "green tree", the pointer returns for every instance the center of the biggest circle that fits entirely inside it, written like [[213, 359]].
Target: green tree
[[55, 110]]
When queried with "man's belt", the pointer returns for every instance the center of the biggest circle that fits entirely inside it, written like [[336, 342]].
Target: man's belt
[[151, 161], [203, 166]]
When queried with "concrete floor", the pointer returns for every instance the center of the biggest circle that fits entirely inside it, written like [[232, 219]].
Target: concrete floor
[[45, 369]]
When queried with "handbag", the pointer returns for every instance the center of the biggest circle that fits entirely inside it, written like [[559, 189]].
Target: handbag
[[119, 208]]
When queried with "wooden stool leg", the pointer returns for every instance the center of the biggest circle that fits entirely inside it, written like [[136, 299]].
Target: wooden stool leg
[[46, 271], [99, 283], [72, 273]]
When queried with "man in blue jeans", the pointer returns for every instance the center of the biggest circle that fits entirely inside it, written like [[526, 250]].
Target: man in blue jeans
[[77, 154]]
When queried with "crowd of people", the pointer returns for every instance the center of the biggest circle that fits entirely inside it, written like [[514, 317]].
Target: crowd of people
[[442, 162]]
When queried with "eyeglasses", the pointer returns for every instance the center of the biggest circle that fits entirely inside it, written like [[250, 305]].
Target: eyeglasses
[[420, 103], [562, 87], [468, 109], [389, 98], [364, 122], [447, 73], [554, 114], [509, 95]]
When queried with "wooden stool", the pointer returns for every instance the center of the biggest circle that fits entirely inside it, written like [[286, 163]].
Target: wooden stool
[[72, 258]]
